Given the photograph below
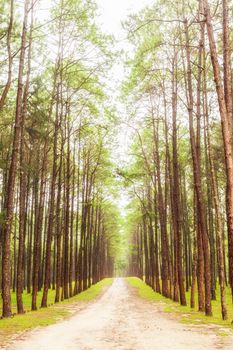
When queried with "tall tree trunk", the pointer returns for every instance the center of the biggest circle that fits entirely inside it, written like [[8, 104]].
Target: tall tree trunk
[[6, 306], [217, 206], [164, 239], [176, 188], [51, 206], [226, 131], [38, 230], [197, 174], [23, 213], [71, 269]]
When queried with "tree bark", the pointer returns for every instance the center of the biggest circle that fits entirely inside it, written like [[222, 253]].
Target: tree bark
[[226, 131], [6, 310]]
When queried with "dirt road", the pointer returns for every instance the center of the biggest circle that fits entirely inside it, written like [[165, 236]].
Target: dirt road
[[121, 320]]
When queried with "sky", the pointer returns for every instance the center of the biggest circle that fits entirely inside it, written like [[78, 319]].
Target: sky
[[112, 14]]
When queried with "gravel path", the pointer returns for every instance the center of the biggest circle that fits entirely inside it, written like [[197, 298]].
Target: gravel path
[[120, 320]]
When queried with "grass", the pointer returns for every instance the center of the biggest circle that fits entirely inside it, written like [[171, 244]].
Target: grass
[[185, 313], [47, 316]]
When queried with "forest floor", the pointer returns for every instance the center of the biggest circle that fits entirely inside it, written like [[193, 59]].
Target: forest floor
[[121, 320], [15, 327]]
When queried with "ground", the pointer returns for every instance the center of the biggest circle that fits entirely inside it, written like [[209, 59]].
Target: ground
[[120, 319]]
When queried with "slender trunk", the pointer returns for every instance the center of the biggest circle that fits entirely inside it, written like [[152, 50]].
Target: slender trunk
[[51, 213], [176, 189], [38, 231], [217, 207], [23, 214], [197, 175], [226, 131], [6, 306]]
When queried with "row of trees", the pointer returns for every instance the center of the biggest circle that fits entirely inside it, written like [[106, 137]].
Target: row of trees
[[56, 228], [181, 180]]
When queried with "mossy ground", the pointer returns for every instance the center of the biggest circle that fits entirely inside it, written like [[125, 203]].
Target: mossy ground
[[185, 313], [47, 316]]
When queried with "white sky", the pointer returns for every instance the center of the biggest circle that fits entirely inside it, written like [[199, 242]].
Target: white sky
[[112, 12]]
